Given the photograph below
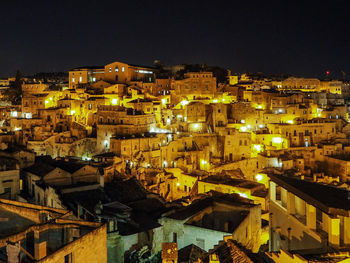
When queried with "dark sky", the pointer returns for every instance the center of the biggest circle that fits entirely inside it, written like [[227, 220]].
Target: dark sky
[[302, 38]]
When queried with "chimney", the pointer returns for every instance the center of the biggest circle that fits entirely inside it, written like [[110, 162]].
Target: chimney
[[40, 250], [102, 180], [13, 250], [226, 226]]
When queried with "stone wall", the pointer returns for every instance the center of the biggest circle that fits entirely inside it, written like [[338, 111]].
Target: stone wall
[[91, 247]]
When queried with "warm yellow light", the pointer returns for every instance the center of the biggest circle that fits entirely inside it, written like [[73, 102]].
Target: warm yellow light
[[72, 112], [17, 128], [114, 101], [50, 98], [259, 107], [277, 139], [163, 101], [178, 184], [243, 129], [46, 101], [259, 177], [257, 147], [215, 101], [196, 126], [243, 195], [242, 121], [290, 121], [203, 162], [86, 158], [184, 102]]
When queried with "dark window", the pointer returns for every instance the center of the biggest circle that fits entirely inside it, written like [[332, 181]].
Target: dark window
[[68, 258], [174, 237], [7, 181]]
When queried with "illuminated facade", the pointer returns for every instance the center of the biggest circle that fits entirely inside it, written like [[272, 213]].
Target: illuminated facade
[[183, 135]]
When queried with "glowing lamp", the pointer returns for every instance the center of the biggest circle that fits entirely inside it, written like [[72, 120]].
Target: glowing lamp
[[243, 195], [259, 177], [277, 140], [72, 112], [184, 102], [257, 147], [163, 101], [114, 101], [290, 121], [243, 129]]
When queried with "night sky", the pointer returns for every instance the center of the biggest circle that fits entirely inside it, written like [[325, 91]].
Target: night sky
[[304, 39]]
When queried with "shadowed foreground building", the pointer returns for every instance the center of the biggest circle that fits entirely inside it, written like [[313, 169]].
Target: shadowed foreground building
[[206, 221], [308, 217], [33, 233]]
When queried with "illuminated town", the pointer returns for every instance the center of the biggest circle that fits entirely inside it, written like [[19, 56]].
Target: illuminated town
[[128, 163], [174, 131]]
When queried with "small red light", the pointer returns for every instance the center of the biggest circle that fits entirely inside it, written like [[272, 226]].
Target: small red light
[[327, 72]]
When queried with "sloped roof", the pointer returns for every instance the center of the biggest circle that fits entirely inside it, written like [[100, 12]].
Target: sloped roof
[[40, 168], [191, 253], [200, 204], [125, 191]]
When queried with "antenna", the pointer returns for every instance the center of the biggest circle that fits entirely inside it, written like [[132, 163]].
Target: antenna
[[343, 74]]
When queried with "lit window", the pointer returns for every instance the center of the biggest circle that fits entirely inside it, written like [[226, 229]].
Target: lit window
[[116, 69], [93, 79], [110, 69], [123, 69], [73, 79], [80, 79]]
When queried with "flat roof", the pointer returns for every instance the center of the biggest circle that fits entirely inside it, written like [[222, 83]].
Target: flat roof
[[12, 223], [327, 198]]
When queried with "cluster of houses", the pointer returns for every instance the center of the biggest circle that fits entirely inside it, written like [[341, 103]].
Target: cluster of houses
[[129, 163]]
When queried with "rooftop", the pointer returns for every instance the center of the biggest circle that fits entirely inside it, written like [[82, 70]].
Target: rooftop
[[325, 197], [208, 201], [242, 183], [12, 223]]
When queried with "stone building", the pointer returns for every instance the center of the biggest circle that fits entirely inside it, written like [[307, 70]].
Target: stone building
[[35, 233], [307, 216], [206, 221]]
